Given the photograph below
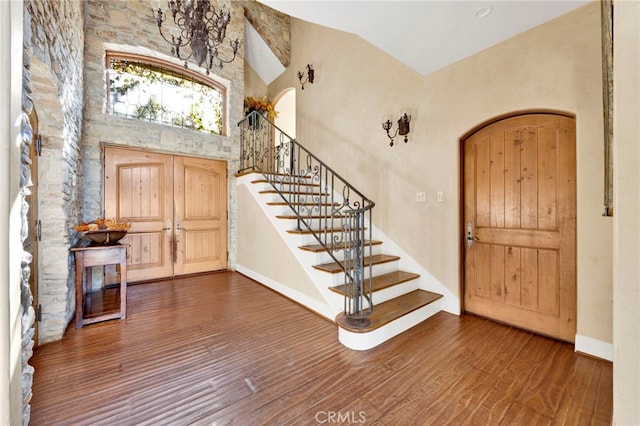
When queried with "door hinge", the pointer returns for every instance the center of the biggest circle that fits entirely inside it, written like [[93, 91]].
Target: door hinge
[[38, 146], [39, 313], [38, 230]]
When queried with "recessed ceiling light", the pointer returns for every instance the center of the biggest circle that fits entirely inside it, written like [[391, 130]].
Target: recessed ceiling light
[[483, 12]]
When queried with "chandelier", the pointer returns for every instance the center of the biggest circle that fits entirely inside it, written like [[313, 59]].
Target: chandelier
[[202, 31]]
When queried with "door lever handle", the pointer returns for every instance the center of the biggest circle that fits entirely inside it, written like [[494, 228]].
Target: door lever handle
[[470, 237]]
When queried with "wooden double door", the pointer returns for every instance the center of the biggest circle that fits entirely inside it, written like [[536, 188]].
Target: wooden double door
[[177, 207], [520, 223]]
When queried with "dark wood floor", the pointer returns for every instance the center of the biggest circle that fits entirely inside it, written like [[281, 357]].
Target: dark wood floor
[[221, 349]]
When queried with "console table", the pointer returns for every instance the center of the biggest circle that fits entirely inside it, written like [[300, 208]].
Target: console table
[[98, 255]]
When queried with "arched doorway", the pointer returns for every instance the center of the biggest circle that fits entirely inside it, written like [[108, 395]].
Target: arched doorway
[[286, 107], [285, 122], [519, 222]]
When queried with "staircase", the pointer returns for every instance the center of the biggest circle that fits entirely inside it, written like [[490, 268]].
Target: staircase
[[328, 223]]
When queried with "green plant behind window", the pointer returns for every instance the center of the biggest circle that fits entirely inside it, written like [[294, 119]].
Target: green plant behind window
[[151, 93]]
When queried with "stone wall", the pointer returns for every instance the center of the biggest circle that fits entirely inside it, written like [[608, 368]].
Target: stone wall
[[129, 26], [274, 27], [54, 47], [26, 297], [52, 84]]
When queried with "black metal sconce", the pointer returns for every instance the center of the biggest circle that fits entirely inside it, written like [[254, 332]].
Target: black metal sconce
[[402, 130], [310, 76]]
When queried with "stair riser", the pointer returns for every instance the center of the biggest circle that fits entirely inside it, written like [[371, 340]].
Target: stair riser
[[392, 292], [312, 198], [364, 341], [283, 210], [324, 257], [332, 280]]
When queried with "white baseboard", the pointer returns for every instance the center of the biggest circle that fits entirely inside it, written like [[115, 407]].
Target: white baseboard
[[313, 304], [594, 347]]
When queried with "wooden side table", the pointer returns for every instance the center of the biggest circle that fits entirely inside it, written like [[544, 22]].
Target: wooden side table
[[98, 255]]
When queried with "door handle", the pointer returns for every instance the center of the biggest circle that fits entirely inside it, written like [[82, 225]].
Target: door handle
[[167, 226], [470, 237]]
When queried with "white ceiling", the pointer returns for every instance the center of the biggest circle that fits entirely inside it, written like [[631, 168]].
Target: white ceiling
[[426, 35]]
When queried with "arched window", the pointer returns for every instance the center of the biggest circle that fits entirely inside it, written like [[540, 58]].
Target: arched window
[[149, 89]]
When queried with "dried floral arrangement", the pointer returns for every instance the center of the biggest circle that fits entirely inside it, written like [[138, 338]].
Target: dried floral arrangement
[[102, 224], [251, 104]]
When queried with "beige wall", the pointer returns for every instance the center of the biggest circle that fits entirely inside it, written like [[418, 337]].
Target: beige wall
[[253, 85], [626, 249], [257, 238], [555, 66]]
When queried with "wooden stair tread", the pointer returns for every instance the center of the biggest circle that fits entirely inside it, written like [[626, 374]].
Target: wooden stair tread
[[293, 216], [380, 282], [334, 267], [302, 194], [284, 203], [311, 231], [286, 183], [245, 173], [318, 248], [390, 310]]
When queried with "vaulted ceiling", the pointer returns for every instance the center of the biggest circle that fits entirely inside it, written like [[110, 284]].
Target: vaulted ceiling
[[425, 35]]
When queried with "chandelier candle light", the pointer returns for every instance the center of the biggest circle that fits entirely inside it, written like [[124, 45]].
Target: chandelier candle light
[[202, 30]]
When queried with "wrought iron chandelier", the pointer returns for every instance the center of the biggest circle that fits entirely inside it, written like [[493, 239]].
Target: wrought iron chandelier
[[202, 30]]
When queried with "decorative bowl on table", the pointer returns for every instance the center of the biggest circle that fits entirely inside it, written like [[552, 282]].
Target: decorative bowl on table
[[104, 237], [103, 231]]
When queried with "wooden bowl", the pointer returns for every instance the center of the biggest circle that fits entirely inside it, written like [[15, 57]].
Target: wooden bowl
[[105, 236]]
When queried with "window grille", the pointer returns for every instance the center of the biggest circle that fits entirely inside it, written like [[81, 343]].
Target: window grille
[[146, 89]]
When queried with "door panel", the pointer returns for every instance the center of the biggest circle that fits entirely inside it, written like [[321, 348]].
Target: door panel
[[177, 208], [519, 198], [200, 215], [139, 190]]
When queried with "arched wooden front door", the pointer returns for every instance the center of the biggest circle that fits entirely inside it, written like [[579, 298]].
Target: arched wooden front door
[[520, 223]]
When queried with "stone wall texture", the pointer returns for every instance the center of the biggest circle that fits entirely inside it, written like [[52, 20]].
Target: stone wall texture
[[129, 26], [273, 27], [54, 41], [52, 85]]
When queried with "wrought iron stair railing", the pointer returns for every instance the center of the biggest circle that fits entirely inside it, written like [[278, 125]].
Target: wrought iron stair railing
[[323, 202]]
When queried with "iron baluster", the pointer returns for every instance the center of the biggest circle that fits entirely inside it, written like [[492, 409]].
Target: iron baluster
[[323, 202]]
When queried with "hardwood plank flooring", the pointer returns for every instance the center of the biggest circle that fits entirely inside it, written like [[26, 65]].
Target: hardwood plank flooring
[[220, 349]]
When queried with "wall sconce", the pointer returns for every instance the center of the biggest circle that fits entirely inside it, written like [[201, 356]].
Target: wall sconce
[[310, 75], [402, 130]]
